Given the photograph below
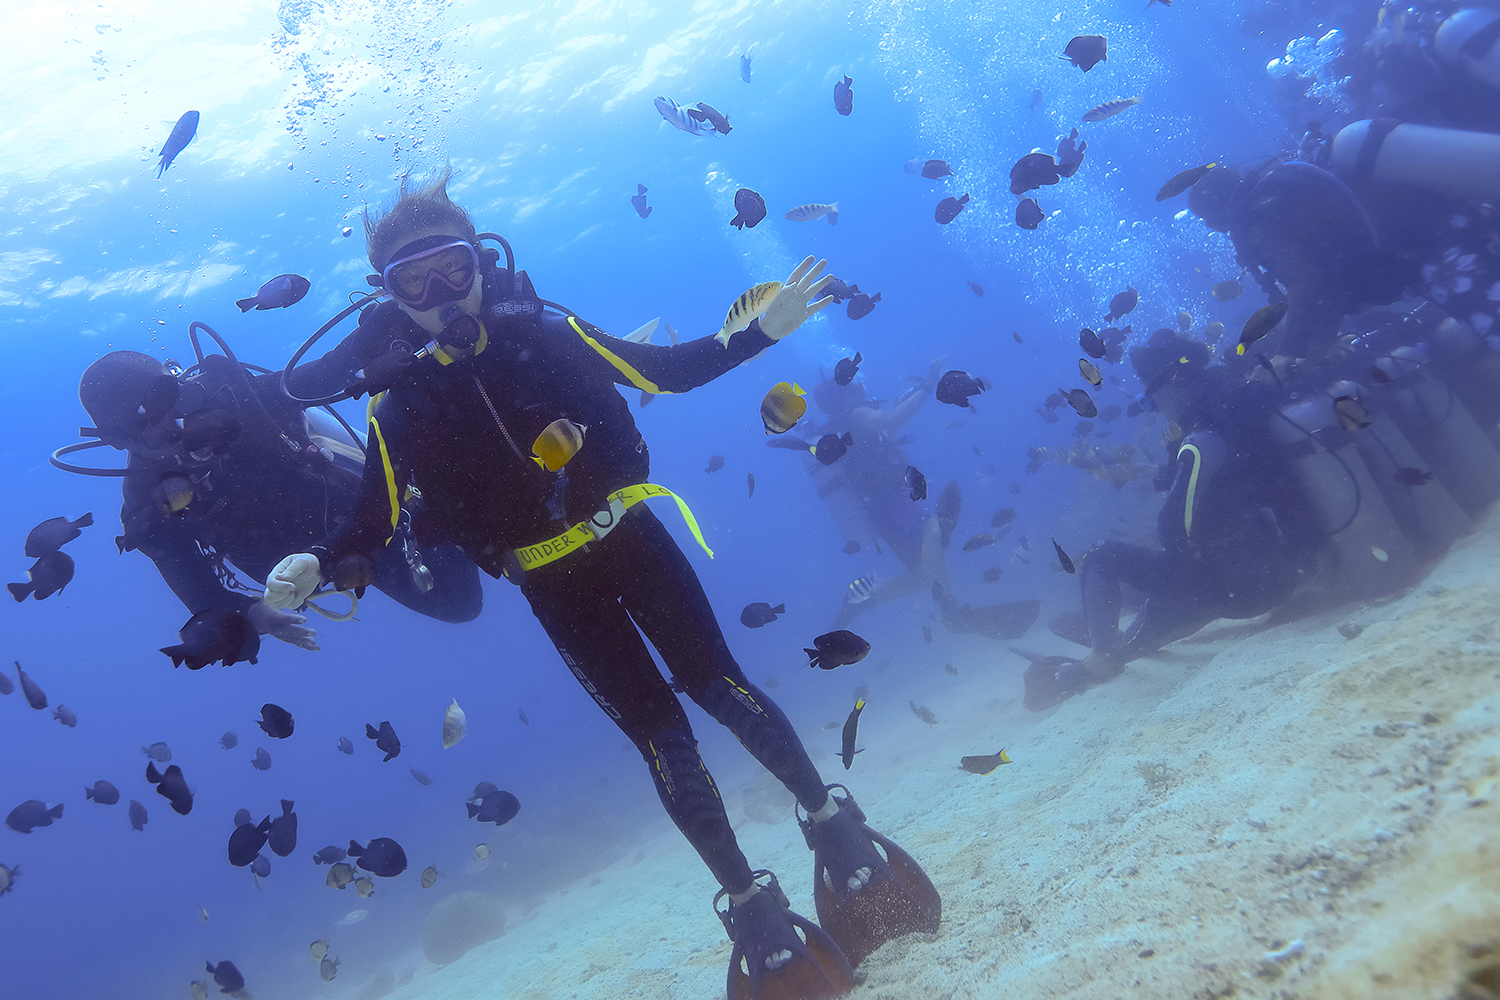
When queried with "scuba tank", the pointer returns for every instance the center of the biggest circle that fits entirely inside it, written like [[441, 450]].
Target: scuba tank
[[1470, 41], [1472, 368], [1374, 556], [1446, 161], [1442, 431]]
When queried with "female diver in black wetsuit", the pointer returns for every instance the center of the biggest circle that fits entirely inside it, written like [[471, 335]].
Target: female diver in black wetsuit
[[496, 377]]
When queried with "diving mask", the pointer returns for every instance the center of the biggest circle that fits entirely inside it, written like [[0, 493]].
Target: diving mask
[[428, 272]]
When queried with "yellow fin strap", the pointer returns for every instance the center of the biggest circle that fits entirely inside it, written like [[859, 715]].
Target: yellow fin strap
[[335, 616], [621, 500]]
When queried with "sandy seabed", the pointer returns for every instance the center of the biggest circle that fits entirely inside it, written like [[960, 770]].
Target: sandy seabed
[[1259, 812]]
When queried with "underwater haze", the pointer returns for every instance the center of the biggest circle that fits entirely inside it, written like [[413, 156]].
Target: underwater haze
[[311, 112]]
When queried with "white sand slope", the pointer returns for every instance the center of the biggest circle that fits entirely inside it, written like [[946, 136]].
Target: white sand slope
[[1156, 837]]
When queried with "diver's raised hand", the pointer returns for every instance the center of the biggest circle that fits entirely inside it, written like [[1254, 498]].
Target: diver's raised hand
[[794, 303], [278, 623], [293, 581]]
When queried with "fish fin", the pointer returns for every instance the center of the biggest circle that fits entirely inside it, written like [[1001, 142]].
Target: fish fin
[[20, 591], [88, 792], [84, 521], [354, 849], [371, 732], [287, 806], [647, 213], [640, 189], [152, 774], [1003, 758], [780, 609], [245, 304], [848, 439]]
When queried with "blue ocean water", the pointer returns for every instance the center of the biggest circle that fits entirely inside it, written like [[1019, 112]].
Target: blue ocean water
[[310, 111]]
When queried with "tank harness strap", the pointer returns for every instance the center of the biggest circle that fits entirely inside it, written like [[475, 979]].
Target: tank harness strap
[[532, 557], [1364, 164], [621, 365]]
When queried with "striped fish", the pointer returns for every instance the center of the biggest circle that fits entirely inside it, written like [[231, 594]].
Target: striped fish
[[861, 589], [1109, 109], [680, 119], [747, 307], [807, 213]]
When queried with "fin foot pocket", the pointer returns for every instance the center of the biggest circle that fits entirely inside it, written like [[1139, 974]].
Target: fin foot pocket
[[764, 928]]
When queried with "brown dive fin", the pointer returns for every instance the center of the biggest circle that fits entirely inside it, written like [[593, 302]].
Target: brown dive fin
[[823, 974], [898, 899]]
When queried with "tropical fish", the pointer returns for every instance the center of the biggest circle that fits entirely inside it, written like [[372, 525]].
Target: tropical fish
[[276, 721], [558, 442], [1123, 303], [229, 741], [429, 876], [490, 804], [137, 816], [47, 576], [1227, 291], [55, 532], [984, 763], [679, 119], [381, 856], [916, 483], [936, 169], [923, 712], [365, 886], [1090, 373], [979, 541], [748, 307], [31, 814], [782, 407], [992, 574], [843, 95], [1029, 215], [35, 696], [171, 786], [64, 714], [1260, 324], [226, 976], [861, 589], [215, 634], [1109, 109], [955, 387], [851, 732], [482, 853], [173, 493], [330, 855], [455, 724], [278, 293], [1081, 402], [328, 968], [702, 112], [283, 833], [715, 463], [760, 614], [182, 133], [158, 751], [319, 949], [1032, 171], [102, 792], [948, 209], [831, 447], [385, 741], [1407, 476], [262, 760], [807, 213], [260, 868], [749, 208], [836, 649], [1086, 51], [1062, 557], [1183, 181], [340, 875], [927, 633], [352, 917], [861, 305], [745, 67], [346, 745], [639, 201], [750, 484]]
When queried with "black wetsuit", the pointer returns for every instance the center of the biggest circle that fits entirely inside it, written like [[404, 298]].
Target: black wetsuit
[[270, 493], [1236, 535], [462, 433]]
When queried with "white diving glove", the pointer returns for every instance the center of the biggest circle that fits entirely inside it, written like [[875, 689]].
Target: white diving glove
[[293, 581], [280, 624], [793, 304]]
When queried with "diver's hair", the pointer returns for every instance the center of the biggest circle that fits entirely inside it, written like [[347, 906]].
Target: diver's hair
[[418, 206]]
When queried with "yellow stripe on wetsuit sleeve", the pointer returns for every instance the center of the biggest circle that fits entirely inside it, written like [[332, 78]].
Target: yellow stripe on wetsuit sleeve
[[391, 489], [549, 551], [621, 365], [1192, 490]]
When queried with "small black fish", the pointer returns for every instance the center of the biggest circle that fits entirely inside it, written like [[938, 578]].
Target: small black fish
[[137, 815], [489, 804], [158, 752], [1081, 402], [524, 721], [843, 96], [1014, 489], [1181, 183], [760, 614], [923, 712], [47, 576], [1086, 51], [851, 547], [262, 760], [1070, 154], [1032, 171], [283, 832], [1123, 303], [1260, 324], [227, 976], [1029, 215], [182, 134], [992, 574], [1407, 476], [260, 867], [6, 687], [346, 745], [715, 463], [948, 209], [1017, 337], [1062, 557], [229, 741], [31, 814], [1003, 517], [707, 113], [839, 291], [750, 485], [749, 207], [979, 541], [916, 485], [851, 731], [977, 289], [639, 201], [275, 721], [55, 532], [278, 293], [385, 740], [35, 696], [955, 388], [330, 855], [935, 169], [103, 793], [861, 305], [419, 777], [831, 447], [837, 649], [846, 369], [171, 786], [1091, 344], [381, 856], [215, 634]]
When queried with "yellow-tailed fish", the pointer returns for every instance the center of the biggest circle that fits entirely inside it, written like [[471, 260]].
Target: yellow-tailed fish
[[782, 407], [984, 763], [1182, 181], [1109, 109], [1262, 323], [747, 307], [557, 444]]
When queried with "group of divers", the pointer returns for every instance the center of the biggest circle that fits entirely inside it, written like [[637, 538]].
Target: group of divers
[[1330, 461]]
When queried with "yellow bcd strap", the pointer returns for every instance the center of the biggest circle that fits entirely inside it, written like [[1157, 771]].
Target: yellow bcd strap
[[621, 500]]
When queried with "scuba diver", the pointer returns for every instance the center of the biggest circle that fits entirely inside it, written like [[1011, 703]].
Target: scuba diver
[[867, 495], [1236, 531], [223, 470], [496, 374]]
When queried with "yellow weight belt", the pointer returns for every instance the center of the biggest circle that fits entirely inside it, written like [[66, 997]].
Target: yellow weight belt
[[535, 556]]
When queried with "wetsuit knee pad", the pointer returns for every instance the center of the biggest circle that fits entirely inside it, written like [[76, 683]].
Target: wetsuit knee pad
[[764, 730]]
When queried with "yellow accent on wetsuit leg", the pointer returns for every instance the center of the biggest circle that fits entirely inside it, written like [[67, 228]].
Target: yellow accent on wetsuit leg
[[1192, 490], [372, 405], [621, 365], [391, 488]]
